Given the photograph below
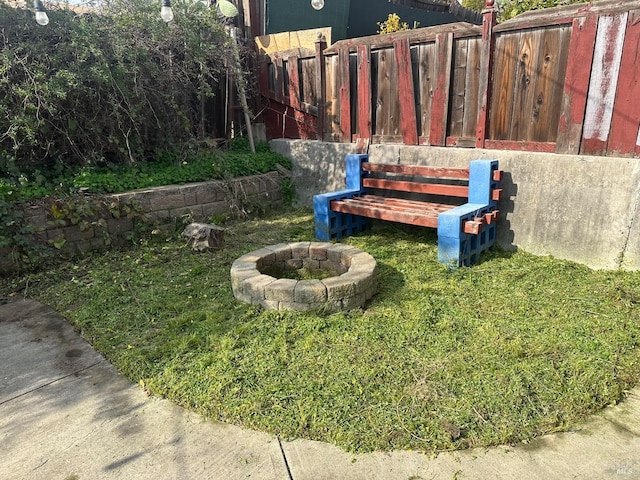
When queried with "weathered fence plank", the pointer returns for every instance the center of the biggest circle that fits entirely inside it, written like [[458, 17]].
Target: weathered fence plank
[[308, 69], [332, 116], [458, 88], [321, 84], [294, 83], [552, 65], [625, 124], [486, 74], [408, 124], [471, 88], [604, 81], [440, 102], [576, 84], [502, 97], [386, 115], [426, 62], [344, 74], [279, 86], [525, 86], [364, 92]]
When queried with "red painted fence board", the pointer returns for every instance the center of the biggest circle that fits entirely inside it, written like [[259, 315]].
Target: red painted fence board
[[440, 103], [574, 102], [408, 124], [603, 84], [625, 124]]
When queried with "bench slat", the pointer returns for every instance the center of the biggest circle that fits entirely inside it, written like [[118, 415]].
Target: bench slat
[[384, 213], [416, 187], [417, 204], [419, 208], [438, 172]]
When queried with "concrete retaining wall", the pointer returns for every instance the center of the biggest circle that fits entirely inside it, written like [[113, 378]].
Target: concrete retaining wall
[[580, 208]]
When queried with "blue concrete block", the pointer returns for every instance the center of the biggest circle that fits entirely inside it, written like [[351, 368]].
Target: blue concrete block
[[354, 170], [480, 180]]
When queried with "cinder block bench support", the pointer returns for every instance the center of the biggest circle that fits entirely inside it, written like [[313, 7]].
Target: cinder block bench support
[[332, 225], [455, 247]]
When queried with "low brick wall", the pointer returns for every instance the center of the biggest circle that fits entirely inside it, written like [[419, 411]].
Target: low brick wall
[[80, 224]]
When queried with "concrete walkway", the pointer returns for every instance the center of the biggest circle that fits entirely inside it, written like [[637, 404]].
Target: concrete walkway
[[66, 414]]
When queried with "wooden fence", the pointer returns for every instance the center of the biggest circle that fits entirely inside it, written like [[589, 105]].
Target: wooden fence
[[563, 80]]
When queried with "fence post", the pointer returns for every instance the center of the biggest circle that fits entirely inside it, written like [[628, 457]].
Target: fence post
[[321, 80], [489, 15]]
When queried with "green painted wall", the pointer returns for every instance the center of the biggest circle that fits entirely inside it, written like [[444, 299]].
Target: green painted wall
[[347, 18], [291, 15]]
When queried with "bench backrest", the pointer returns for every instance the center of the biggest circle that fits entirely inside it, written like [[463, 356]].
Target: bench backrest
[[433, 181], [475, 184]]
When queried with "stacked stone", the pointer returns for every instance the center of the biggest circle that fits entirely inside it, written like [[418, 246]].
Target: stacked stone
[[355, 284]]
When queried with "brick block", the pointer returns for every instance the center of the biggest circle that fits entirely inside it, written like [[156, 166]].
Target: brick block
[[335, 253], [119, 225], [205, 194], [362, 281], [310, 292], [167, 201], [282, 252], [190, 198], [75, 234], [254, 287], [238, 278], [318, 250], [300, 307], [362, 262], [300, 249], [214, 208], [310, 264], [294, 263], [282, 290], [339, 288]]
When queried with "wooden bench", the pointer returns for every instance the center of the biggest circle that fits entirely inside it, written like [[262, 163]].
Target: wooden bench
[[460, 202]]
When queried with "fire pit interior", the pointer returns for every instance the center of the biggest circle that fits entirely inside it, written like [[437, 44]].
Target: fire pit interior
[[305, 276]]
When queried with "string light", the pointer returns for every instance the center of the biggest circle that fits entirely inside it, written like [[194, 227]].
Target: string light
[[41, 14], [166, 12]]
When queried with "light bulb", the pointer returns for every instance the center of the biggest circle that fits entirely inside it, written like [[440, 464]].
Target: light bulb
[[42, 18], [166, 13], [41, 14], [317, 4]]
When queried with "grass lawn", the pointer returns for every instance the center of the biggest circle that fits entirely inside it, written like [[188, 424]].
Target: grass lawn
[[510, 349]]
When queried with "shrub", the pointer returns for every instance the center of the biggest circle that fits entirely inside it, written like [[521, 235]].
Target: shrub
[[107, 87]]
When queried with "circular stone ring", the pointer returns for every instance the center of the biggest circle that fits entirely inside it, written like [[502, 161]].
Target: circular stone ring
[[353, 284]]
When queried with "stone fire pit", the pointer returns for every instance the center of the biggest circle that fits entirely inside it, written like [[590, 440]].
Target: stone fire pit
[[334, 277]]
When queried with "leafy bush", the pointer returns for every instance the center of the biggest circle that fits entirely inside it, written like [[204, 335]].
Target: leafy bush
[[107, 87]]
